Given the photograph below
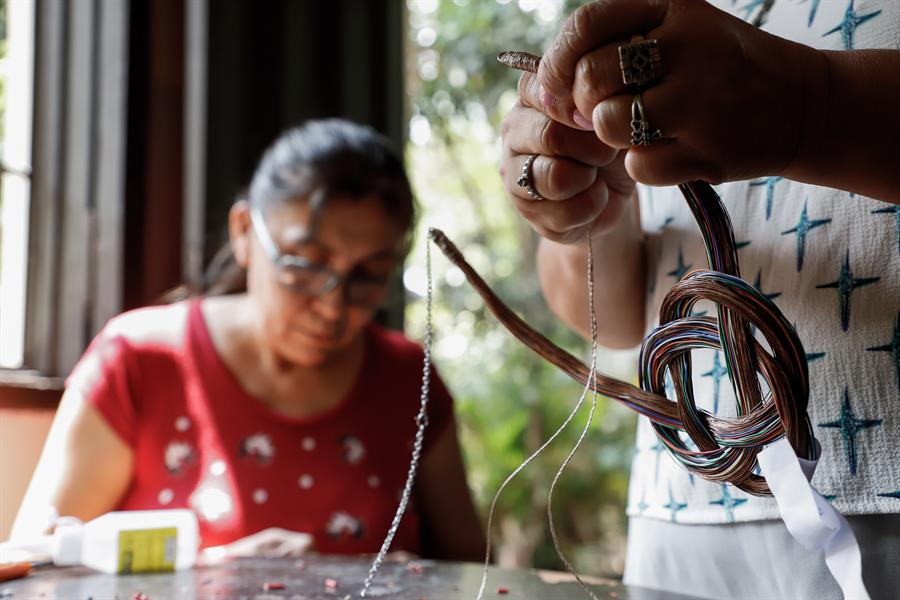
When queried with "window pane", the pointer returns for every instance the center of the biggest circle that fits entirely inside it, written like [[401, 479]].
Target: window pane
[[16, 97]]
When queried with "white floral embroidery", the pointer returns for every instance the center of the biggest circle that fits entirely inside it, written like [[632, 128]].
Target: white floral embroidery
[[258, 446], [343, 524], [354, 451], [178, 455]]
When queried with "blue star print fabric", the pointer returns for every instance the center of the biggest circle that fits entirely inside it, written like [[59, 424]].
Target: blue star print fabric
[[830, 260]]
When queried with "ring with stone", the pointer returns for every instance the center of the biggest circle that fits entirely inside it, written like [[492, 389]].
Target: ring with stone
[[640, 61], [524, 179]]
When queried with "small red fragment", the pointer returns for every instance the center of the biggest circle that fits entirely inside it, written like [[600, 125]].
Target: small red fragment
[[415, 568], [140, 596], [502, 590], [272, 585], [331, 584]]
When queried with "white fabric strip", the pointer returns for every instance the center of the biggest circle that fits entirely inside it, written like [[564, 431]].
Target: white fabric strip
[[810, 518]]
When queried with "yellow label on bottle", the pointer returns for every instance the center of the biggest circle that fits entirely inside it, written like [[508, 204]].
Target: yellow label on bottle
[[147, 550]]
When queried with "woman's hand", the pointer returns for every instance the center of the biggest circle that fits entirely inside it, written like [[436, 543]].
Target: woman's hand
[[585, 189], [732, 102], [581, 179], [273, 542]]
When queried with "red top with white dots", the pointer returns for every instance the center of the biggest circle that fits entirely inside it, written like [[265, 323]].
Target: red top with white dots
[[201, 441]]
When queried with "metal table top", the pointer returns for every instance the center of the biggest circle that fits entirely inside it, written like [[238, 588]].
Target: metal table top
[[315, 577]]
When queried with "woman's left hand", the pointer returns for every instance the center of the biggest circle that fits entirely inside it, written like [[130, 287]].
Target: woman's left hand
[[732, 101]]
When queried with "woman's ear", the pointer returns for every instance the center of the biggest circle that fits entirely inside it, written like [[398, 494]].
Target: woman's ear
[[240, 232]]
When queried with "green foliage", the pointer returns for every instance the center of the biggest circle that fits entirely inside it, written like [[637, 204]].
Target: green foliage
[[508, 400]]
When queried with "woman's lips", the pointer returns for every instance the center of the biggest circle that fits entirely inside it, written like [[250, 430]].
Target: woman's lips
[[325, 339]]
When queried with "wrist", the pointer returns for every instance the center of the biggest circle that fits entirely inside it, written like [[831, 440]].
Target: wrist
[[620, 228], [813, 72]]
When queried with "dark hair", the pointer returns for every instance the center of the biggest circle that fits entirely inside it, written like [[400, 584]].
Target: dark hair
[[321, 158], [339, 158]]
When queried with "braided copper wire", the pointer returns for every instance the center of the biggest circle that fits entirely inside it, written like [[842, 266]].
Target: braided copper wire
[[724, 449]]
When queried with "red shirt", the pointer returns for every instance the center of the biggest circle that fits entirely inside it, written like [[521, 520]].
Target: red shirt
[[201, 441]]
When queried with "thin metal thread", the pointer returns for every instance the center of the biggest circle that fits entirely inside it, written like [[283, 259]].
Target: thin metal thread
[[565, 423], [591, 384], [422, 423]]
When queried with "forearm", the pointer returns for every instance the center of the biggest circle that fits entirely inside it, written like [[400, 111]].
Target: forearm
[[619, 283], [451, 528], [851, 138], [83, 471]]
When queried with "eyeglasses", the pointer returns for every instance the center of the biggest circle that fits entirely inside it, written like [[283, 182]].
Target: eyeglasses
[[315, 279]]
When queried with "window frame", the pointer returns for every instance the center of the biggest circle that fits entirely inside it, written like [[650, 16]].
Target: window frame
[[76, 213]]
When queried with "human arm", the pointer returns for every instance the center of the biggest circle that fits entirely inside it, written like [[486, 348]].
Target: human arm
[[734, 102], [452, 529], [586, 190], [853, 140], [619, 267], [83, 470]]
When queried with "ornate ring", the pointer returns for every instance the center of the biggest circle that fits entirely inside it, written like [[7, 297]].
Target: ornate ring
[[524, 179], [640, 61], [641, 132]]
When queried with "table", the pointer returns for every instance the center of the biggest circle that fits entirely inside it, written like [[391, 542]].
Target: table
[[308, 579]]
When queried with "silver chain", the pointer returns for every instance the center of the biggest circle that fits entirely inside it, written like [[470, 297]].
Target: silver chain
[[421, 422]]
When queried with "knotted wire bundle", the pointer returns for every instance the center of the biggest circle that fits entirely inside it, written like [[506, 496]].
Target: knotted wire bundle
[[725, 449]]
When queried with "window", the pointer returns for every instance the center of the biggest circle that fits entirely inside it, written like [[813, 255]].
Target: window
[[16, 94], [64, 78]]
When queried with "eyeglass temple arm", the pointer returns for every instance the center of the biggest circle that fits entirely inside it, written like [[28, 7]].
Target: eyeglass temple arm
[[262, 233]]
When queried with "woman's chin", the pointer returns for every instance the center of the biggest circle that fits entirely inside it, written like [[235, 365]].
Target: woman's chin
[[309, 350], [307, 357]]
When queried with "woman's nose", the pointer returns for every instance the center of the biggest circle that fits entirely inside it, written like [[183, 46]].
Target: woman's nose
[[333, 303]]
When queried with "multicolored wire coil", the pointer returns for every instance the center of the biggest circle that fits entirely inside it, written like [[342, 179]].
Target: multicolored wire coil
[[718, 449]]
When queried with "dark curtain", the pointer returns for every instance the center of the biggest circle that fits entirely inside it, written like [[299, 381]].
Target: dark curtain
[[271, 65], [275, 64]]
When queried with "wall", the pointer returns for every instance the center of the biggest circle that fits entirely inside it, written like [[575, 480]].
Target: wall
[[25, 417]]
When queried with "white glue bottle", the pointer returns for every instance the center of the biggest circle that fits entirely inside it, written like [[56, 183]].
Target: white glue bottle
[[140, 541]]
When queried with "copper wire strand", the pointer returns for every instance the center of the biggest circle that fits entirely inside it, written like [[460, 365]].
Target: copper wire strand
[[520, 61]]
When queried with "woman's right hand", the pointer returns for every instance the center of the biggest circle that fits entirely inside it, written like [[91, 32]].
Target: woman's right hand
[[583, 182], [273, 542]]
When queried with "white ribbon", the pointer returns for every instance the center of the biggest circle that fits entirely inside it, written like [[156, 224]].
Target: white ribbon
[[810, 518]]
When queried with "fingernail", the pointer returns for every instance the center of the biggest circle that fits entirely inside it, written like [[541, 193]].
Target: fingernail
[[547, 99], [582, 121]]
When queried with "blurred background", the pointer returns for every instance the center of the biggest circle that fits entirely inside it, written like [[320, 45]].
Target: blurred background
[[128, 128]]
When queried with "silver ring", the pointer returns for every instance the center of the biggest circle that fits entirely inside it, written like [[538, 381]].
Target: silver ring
[[640, 61], [524, 179], [641, 132]]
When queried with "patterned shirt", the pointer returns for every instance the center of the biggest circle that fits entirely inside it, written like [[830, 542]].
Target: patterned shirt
[[830, 260], [201, 441]]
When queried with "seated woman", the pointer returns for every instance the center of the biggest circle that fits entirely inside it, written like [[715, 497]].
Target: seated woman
[[282, 406]]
